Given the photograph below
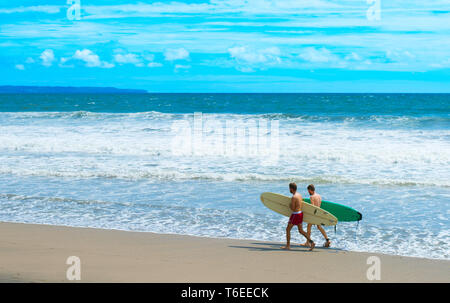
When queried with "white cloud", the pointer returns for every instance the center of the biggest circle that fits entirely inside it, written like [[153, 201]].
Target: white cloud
[[47, 57], [107, 65], [149, 57], [62, 62], [122, 57], [353, 57], [128, 59], [20, 67], [86, 55], [443, 64], [251, 56], [29, 60], [154, 64], [91, 59], [181, 67], [176, 54], [324, 58], [321, 55], [247, 59], [177, 66], [49, 9], [399, 55]]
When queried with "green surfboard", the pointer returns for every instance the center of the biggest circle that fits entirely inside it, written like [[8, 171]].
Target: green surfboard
[[341, 212]]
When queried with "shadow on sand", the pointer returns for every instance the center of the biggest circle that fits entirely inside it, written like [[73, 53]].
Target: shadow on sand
[[264, 246]]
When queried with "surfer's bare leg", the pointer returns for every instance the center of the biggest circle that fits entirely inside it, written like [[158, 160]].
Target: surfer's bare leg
[[288, 237], [308, 239], [308, 230], [328, 242]]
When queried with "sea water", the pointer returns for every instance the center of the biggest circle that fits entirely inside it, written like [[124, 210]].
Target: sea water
[[116, 162]]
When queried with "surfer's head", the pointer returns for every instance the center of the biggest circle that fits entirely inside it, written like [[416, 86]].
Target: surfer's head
[[292, 187], [311, 189]]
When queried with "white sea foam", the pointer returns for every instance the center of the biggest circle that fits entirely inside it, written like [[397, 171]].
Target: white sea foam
[[123, 146]]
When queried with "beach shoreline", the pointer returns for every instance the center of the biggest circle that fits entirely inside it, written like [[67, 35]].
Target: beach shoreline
[[38, 253]]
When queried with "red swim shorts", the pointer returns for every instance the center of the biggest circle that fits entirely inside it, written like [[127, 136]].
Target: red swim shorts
[[296, 219]]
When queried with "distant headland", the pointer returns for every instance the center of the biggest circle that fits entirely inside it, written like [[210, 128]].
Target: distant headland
[[10, 89]]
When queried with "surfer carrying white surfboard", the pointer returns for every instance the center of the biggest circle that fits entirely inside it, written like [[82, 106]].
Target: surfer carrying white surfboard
[[296, 217], [316, 200]]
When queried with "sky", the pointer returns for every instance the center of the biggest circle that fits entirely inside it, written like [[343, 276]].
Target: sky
[[228, 45]]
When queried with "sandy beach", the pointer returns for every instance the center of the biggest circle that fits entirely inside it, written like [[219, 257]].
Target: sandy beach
[[38, 253]]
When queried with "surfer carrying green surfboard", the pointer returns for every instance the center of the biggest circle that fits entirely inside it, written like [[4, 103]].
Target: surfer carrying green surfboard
[[316, 200], [296, 217]]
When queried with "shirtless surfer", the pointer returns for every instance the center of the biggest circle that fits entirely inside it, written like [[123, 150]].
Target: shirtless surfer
[[316, 200], [296, 217]]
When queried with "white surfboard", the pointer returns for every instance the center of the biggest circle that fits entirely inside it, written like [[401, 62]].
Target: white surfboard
[[311, 214]]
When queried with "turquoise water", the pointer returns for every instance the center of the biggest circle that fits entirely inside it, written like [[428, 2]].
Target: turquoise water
[[121, 162]]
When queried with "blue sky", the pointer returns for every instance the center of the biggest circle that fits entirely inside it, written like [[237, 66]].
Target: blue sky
[[229, 45]]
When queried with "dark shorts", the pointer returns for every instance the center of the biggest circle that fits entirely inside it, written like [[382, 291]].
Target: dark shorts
[[296, 219]]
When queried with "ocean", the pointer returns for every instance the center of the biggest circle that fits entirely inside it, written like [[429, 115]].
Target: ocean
[[196, 164]]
